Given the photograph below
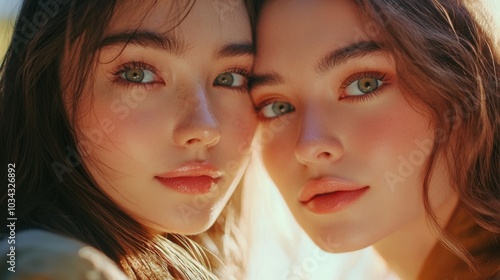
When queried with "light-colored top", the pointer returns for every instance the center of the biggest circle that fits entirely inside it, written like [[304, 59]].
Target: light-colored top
[[37, 254]]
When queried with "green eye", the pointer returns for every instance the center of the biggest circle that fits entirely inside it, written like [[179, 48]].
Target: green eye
[[231, 80], [224, 79], [276, 109], [363, 86], [367, 85], [134, 75]]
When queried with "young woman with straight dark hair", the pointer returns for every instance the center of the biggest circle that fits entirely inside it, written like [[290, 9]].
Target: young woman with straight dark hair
[[125, 127]]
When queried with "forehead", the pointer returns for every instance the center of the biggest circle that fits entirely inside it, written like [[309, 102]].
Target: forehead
[[307, 29], [186, 19]]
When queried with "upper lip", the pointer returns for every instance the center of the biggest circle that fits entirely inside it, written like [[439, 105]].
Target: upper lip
[[193, 169], [326, 185]]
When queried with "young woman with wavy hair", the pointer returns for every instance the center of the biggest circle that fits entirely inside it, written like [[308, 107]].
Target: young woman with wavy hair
[[392, 134], [125, 127]]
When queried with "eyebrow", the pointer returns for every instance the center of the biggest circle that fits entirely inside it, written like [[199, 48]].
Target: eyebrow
[[232, 50], [172, 44], [266, 79], [146, 39], [340, 56], [329, 61]]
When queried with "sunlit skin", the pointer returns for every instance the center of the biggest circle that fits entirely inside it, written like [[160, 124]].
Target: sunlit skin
[[174, 95], [320, 70]]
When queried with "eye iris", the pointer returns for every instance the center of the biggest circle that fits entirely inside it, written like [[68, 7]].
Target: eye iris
[[280, 108], [367, 85], [225, 79], [134, 75]]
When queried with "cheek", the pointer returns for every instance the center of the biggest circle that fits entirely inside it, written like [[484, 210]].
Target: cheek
[[98, 125], [277, 140], [245, 130], [238, 122], [112, 128], [394, 145]]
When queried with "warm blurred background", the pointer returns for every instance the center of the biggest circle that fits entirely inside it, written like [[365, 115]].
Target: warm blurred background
[[8, 12], [5, 34]]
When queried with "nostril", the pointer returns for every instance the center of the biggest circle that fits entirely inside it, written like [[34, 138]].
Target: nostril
[[193, 141], [318, 151], [324, 155], [196, 136]]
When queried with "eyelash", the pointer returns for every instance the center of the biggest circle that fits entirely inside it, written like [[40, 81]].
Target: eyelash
[[383, 77], [134, 65]]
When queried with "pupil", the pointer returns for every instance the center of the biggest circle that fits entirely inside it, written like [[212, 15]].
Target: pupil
[[367, 85], [281, 108], [225, 79], [134, 75]]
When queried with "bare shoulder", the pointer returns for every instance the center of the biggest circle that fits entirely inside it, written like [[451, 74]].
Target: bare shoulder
[[38, 254]]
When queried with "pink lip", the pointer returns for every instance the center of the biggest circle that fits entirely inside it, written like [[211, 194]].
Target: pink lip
[[191, 178], [328, 195]]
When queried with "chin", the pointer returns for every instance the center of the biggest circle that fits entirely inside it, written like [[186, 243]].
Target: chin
[[197, 224], [337, 241], [198, 229], [340, 247]]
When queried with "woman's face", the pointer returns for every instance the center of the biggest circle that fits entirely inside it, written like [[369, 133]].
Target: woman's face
[[166, 121], [342, 144]]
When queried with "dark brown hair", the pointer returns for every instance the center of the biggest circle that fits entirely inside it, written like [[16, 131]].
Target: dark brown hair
[[54, 190]]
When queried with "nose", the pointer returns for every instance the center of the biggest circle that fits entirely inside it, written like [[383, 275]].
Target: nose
[[317, 142], [198, 126]]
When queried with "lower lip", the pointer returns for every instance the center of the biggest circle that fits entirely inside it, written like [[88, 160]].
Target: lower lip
[[189, 185], [334, 202]]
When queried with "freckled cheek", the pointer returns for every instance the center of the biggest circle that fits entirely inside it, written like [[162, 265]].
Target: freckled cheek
[[238, 125]]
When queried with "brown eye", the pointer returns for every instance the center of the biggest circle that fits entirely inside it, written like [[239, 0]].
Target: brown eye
[[134, 75], [367, 85]]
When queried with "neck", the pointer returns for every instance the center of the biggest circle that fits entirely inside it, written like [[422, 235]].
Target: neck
[[406, 250]]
